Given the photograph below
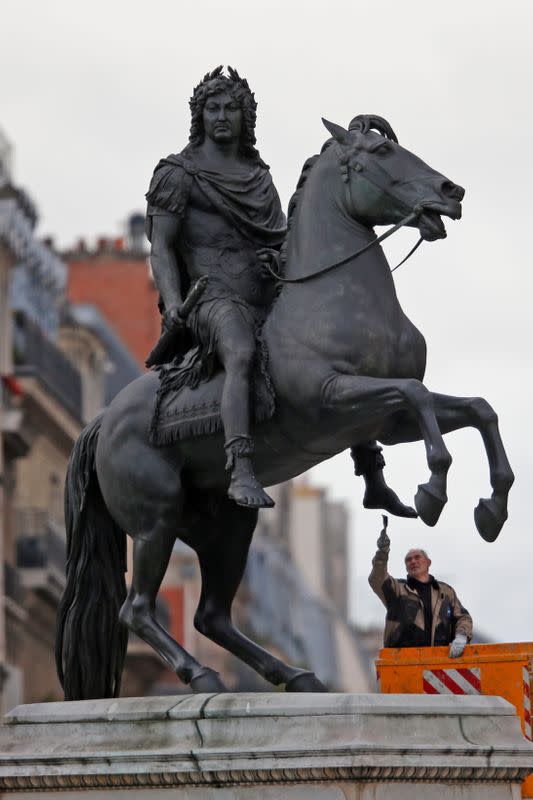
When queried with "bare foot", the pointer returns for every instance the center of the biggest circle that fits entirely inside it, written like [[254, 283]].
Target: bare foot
[[245, 489]]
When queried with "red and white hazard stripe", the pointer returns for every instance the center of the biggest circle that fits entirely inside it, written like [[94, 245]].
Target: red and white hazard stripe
[[452, 681], [527, 703]]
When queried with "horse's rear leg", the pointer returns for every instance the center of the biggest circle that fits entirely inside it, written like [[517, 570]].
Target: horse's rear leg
[[151, 554], [370, 400], [452, 414], [222, 548]]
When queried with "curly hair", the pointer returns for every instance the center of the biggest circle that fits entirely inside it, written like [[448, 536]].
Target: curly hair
[[212, 83]]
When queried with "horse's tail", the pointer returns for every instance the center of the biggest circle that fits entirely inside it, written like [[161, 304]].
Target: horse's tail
[[90, 643]]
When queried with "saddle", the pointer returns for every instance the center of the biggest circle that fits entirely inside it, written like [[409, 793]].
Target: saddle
[[189, 396]]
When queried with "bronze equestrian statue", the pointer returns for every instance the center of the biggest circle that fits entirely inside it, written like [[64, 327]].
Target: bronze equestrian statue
[[213, 211], [330, 362]]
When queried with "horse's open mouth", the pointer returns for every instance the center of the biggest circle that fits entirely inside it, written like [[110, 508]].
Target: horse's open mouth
[[431, 226]]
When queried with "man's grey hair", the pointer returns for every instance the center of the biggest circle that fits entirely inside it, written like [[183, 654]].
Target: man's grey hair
[[417, 550]]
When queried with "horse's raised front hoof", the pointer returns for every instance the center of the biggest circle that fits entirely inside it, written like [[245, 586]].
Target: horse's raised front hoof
[[429, 503], [489, 516], [207, 681], [305, 682]]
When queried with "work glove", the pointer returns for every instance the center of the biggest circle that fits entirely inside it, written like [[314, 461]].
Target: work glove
[[457, 646], [383, 542]]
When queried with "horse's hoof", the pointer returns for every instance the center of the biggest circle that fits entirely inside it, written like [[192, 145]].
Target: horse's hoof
[[489, 518], [429, 504], [207, 681], [305, 682]]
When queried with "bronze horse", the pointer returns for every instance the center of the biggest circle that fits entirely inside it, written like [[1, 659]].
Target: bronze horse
[[347, 367]]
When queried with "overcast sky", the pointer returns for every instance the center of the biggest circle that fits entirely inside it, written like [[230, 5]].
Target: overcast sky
[[93, 94]]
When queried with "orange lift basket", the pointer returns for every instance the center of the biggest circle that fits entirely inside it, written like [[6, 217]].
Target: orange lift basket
[[494, 669]]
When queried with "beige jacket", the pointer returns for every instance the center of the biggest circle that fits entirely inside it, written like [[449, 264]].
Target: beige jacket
[[404, 625]]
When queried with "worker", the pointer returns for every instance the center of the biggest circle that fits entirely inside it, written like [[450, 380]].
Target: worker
[[421, 611]]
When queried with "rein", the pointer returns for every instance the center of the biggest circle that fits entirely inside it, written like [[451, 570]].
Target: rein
[[405, 221]]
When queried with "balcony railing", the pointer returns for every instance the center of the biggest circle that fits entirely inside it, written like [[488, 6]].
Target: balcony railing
[[47, 549], [36, 354], [17, 438], [13, 587], [41, 553]]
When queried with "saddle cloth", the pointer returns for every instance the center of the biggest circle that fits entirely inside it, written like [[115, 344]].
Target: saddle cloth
[[189, 394]]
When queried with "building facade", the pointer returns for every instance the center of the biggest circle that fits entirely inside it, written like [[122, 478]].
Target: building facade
[[59, 365], [115, 276]]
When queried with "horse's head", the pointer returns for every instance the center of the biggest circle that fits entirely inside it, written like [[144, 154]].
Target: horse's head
[[384, 182]]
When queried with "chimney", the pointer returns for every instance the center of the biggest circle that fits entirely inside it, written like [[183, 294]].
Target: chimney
[[136, 234]]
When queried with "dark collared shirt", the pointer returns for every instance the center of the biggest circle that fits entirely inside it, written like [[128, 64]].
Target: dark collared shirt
[[424, 592]]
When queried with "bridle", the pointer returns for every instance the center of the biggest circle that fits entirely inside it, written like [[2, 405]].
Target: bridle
[[410, 217], [405, 221]]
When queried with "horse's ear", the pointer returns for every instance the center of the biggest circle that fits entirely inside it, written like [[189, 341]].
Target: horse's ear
[[339, 133]]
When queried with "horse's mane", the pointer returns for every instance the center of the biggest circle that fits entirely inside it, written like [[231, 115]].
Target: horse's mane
[[293, 202]]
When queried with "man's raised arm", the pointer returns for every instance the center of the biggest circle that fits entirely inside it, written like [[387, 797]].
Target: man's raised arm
[[379, 574], [165, 230]]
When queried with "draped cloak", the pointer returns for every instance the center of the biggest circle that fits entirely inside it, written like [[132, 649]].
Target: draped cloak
[[248, 200], [250, 203]]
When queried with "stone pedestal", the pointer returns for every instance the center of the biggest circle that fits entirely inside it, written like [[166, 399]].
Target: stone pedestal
[[268, 746]]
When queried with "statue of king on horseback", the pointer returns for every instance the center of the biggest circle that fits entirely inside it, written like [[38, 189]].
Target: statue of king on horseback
[[213, 212], [291, 340]]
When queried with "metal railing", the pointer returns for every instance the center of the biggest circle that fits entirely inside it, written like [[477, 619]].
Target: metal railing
[[40, 543], [12, 585], [35, 354]]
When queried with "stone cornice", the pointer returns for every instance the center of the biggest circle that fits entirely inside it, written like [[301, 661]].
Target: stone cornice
[[243, 739], [128, 780]]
